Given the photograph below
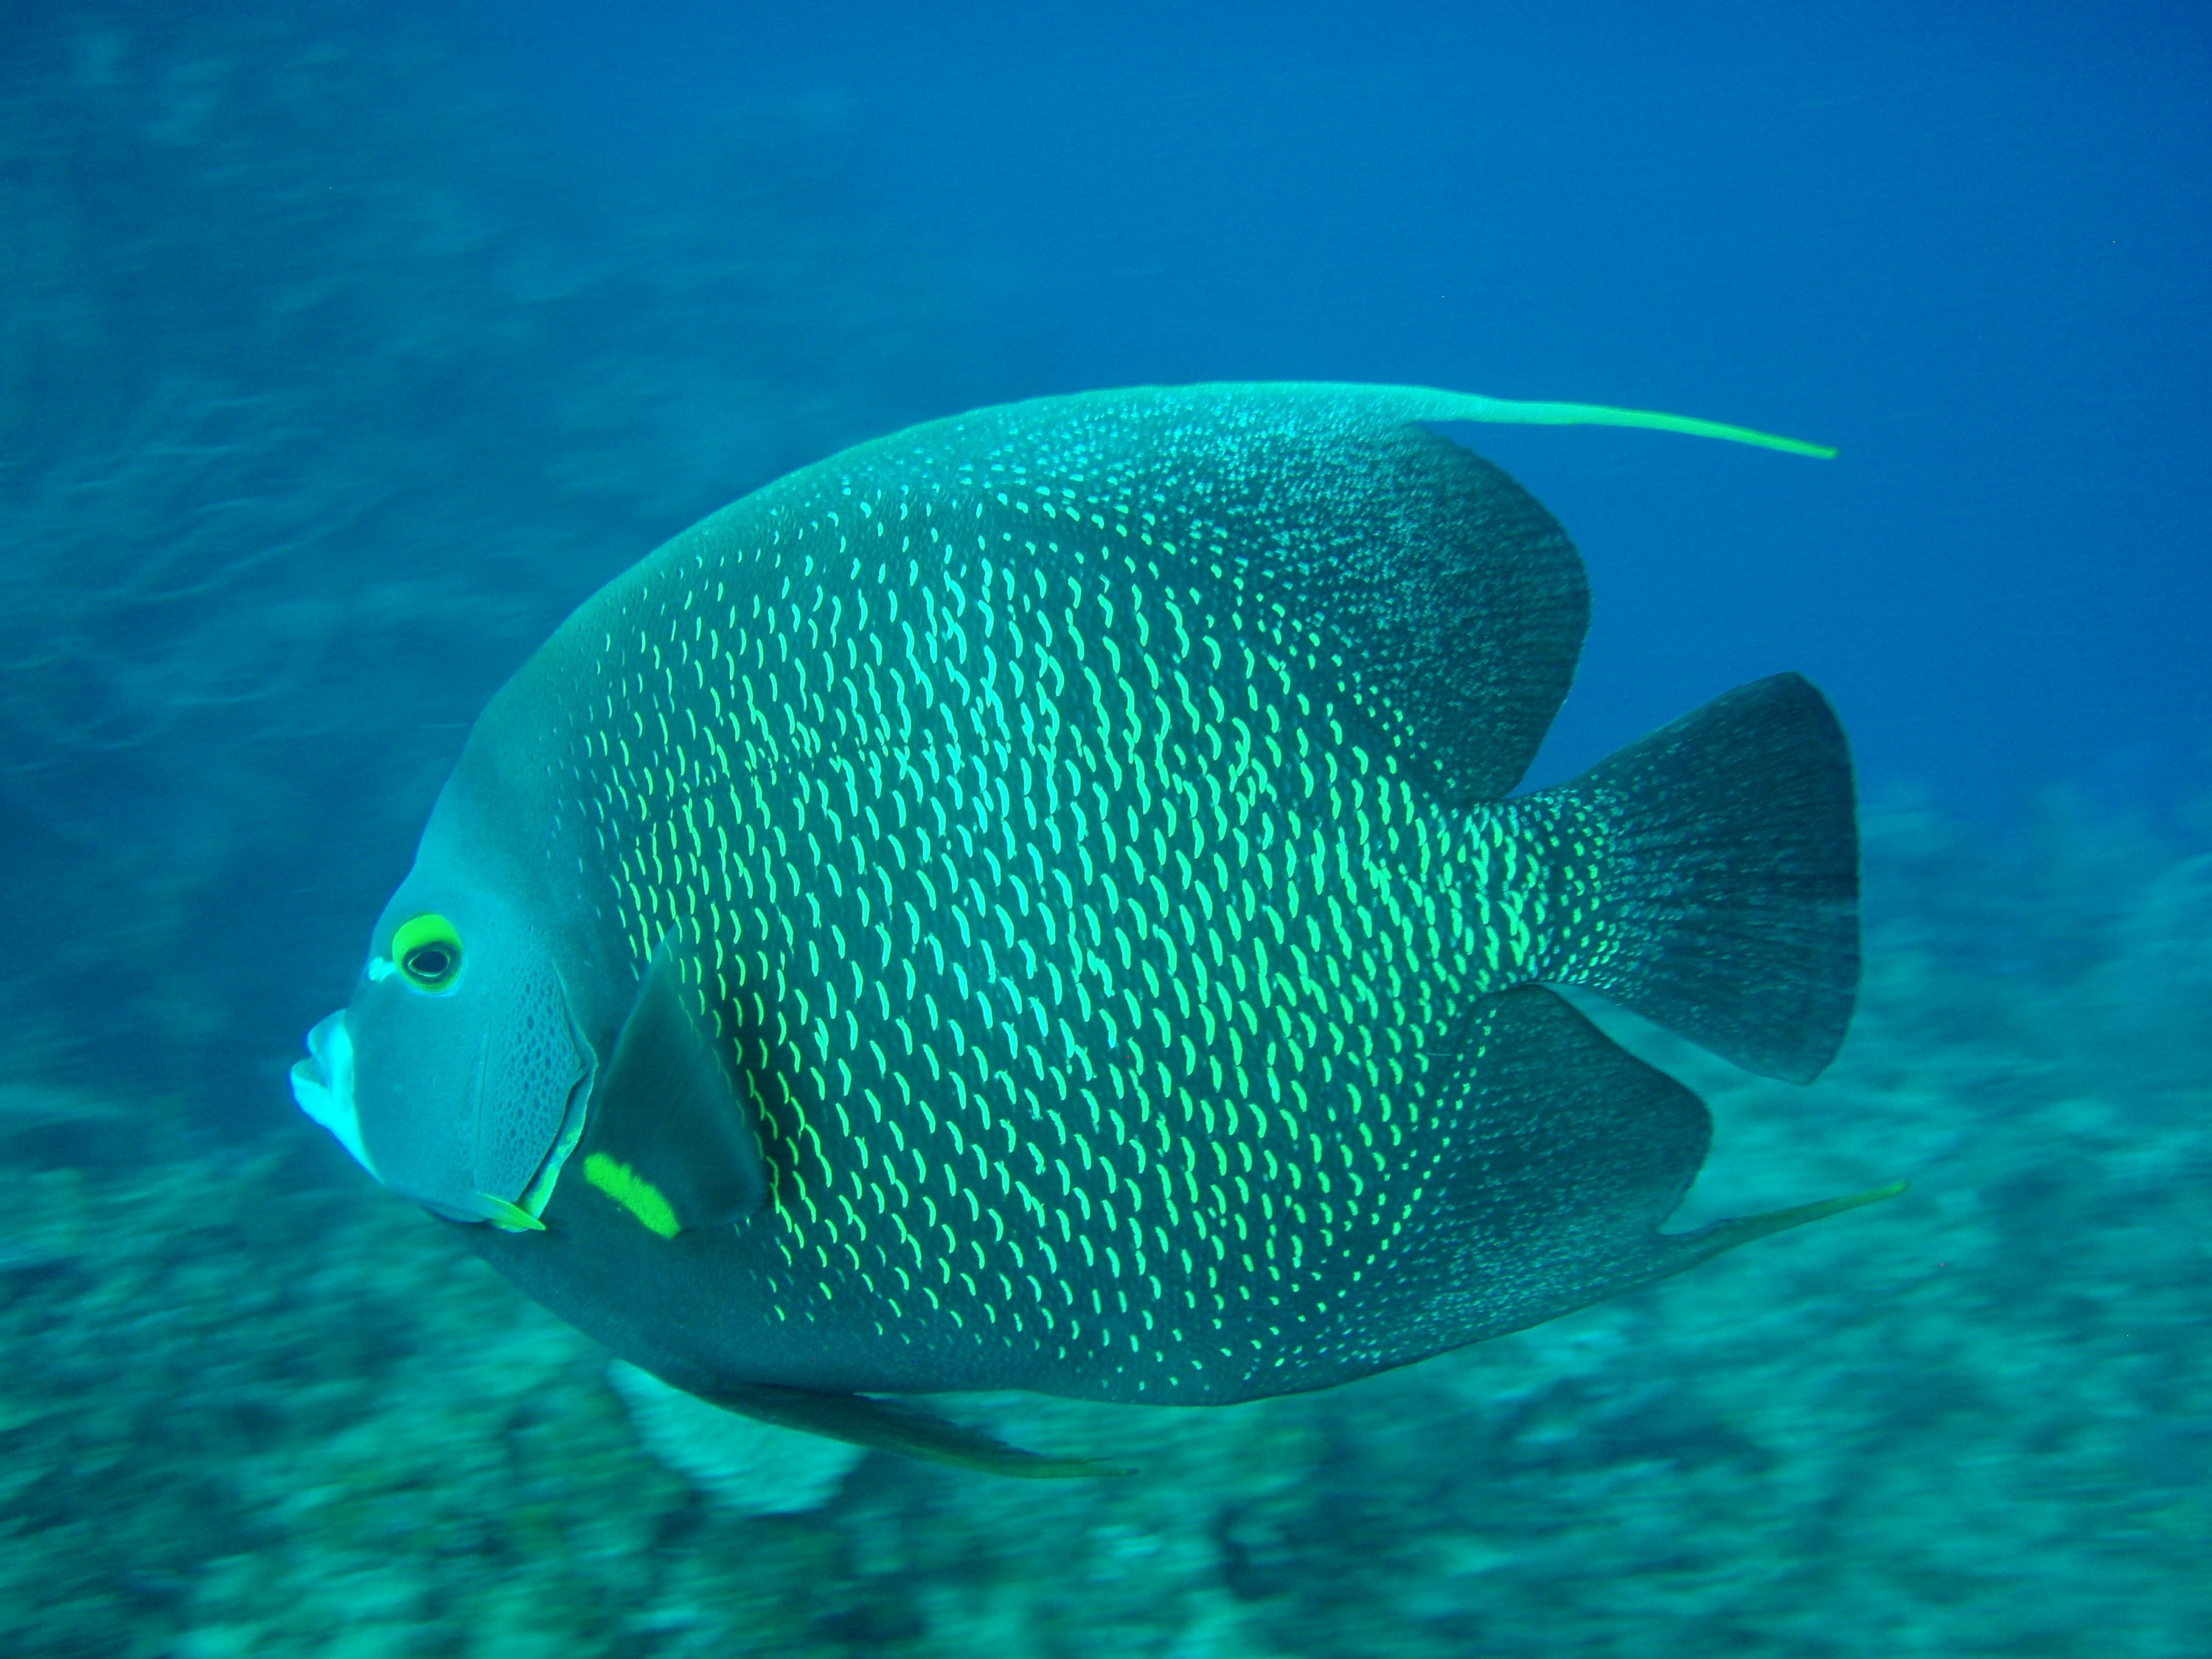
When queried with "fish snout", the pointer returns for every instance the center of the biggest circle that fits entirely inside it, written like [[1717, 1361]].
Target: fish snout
[[322, 1084]]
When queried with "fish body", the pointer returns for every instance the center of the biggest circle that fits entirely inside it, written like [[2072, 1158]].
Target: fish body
[[1034, 901]]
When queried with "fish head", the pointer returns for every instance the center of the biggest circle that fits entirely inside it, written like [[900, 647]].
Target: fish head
[[458, 1074]]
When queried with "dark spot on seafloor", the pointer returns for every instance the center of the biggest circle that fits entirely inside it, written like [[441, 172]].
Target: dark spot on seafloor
[[249, 1422], [23, 1263], [1261, 1557], [1458, 1630], [680, 1524], [151, 1588], [2024, 1201], [867, 1627]]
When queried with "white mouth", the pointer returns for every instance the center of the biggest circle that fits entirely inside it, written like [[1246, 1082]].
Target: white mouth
[[322, 1084]]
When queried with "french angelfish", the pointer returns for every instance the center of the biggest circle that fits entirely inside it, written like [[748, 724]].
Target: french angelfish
[[1033, 901]]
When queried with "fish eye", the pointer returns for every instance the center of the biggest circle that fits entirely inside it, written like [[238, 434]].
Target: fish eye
[[429, 952]]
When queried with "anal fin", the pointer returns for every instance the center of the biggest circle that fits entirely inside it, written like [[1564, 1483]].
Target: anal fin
[[1566, 1155], [1711, 1240]]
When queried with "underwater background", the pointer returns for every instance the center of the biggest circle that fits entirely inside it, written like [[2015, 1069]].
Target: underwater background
[[345, 347]]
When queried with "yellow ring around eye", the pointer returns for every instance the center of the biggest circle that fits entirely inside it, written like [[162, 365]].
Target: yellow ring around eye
[[427, 950]]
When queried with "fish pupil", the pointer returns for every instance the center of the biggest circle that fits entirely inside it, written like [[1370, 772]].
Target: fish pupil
[[429, 961]]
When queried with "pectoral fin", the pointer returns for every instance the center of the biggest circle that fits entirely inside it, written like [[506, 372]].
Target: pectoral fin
[[670, 1135]]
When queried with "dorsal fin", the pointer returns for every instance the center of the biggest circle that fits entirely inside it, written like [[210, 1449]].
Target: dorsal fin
[[1459, 602], [1436, 591], [669, 1134], [1405, 570], [1454, 601]]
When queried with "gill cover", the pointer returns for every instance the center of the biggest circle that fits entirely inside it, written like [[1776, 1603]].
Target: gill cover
[[456, 1075]]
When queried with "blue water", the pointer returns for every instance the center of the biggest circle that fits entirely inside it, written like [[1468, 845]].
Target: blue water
[[1965, 244], [344, 348]]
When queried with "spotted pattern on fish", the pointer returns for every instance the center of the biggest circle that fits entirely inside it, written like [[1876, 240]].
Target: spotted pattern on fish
[[1086, 943]]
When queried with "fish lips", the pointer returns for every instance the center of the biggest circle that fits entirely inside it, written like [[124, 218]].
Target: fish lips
[[322, 1085]]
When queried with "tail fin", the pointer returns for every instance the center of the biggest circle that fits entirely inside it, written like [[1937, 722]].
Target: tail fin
[[1733, 875]]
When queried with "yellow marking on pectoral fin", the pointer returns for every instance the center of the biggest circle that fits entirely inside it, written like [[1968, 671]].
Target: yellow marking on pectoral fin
[[633, 1192]]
